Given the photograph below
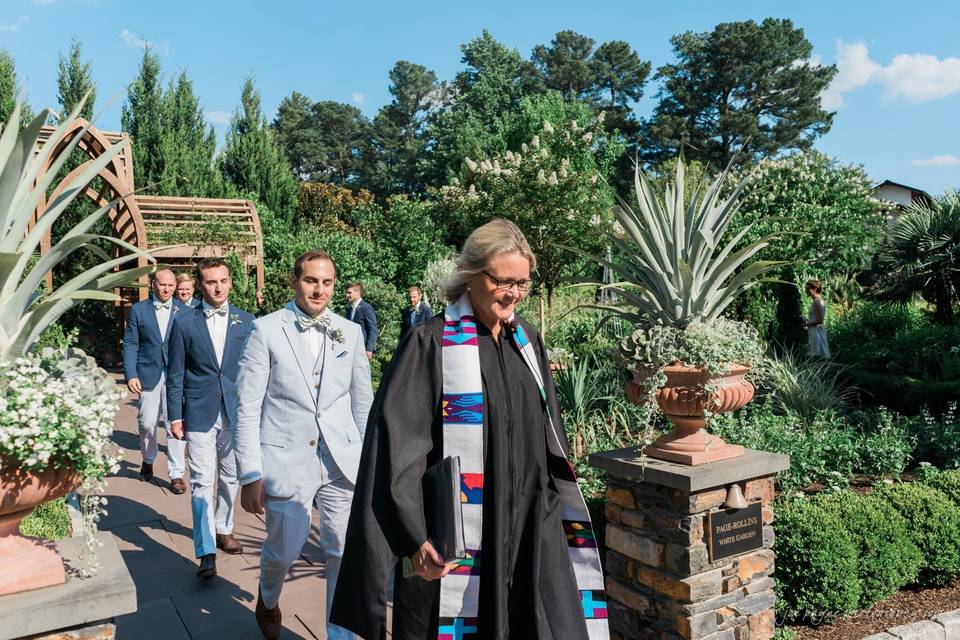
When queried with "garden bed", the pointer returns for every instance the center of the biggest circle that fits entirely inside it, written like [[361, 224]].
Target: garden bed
[[903, 607]]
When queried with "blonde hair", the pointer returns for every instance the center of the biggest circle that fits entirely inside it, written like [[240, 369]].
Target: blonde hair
[[184, 277], [496, 238]]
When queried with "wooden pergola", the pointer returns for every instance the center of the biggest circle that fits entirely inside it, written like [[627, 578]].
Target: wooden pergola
[[148, 222]]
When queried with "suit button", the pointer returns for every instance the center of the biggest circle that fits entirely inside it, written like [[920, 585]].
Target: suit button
[[319, 414], [218, 395], [313, 443], [221, 375], [316, 372]]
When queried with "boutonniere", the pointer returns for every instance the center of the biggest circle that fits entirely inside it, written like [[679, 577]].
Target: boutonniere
[[335, 334], [235, 319]]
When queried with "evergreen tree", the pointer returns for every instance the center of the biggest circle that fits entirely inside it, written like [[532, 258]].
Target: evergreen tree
[[296, 131], [142, 117], [10, 91], [565, 64], [74, 81], [743, 86], [399, 131], [188, 144], [252, 159]]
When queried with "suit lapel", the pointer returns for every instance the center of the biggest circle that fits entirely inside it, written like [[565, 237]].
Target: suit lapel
[[232, 330], [152, 320], [174, 309], [301, 351]]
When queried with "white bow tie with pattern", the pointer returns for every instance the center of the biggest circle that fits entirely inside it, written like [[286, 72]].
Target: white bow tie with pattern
[[320, 323], [162, 305], [220, 311]]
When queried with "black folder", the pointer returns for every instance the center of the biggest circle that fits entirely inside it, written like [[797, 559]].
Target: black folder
[[441, 506]]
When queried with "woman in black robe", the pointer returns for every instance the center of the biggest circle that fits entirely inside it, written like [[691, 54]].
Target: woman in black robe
[[527, 584]]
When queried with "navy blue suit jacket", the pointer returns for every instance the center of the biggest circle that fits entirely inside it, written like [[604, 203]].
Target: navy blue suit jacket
[[197, 388], [367, 319], [144, 349], [409, 319]]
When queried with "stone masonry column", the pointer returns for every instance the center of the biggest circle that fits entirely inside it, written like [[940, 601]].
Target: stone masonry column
[[661, 583]]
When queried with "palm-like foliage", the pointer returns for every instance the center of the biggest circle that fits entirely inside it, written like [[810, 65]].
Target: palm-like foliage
[[22, 319], [922, 255], [672, 265], [807, 386]]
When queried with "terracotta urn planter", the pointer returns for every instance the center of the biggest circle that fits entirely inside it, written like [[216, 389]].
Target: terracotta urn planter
[[683, 400], [28, 563]]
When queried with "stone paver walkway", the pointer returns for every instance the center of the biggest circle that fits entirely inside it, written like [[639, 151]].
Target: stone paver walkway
[[152, 527]]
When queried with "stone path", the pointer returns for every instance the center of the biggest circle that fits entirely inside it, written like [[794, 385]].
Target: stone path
[[152, 527]]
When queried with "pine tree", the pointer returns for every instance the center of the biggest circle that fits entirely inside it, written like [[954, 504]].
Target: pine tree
[[74, 80], [252, 159], [10, 90], [142, 118], [188, 144]]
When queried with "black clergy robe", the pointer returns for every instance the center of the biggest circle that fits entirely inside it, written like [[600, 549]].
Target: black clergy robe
[[527, 585]]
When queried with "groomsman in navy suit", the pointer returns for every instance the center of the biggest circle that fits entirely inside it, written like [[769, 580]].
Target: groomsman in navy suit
[[145, 342], [205, 350], [361, 312]]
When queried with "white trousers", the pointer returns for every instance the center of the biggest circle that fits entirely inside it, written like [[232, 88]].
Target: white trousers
[[211, 457], [153, 412], [288, 526]]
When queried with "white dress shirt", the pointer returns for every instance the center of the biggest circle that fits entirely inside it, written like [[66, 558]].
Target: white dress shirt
[[353, 309], [217, 327], [314, 335], [163, 316]]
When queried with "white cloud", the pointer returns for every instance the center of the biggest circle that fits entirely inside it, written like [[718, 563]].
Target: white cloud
[[13, 27], [138, 42], [915, 78], [218, 117], [921, 78], [946, 160], [358, 97]]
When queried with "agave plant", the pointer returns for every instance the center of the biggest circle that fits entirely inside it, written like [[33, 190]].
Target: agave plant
[[22, 318], [673, 266]]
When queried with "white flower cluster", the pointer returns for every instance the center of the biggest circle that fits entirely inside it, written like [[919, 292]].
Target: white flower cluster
[[52, 415]]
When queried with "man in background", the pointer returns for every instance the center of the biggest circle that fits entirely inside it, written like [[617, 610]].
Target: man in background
[[145, 353], [418, 313], [185, 288], [360, 311]]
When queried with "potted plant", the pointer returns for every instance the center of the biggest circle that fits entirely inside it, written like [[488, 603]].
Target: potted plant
[[677, 277], [56, 407]]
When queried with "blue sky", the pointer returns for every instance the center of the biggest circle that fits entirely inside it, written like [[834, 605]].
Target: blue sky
[[897, 95]]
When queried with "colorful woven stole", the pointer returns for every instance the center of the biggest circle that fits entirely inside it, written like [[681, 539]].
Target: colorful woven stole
[[463, 437]]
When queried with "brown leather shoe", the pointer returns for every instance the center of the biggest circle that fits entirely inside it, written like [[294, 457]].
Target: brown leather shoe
[[146, 472], [178, 486], [270, 621], [228, 544]]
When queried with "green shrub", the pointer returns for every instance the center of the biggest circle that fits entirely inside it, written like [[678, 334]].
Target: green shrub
[[934, 522], [949, 483], [49, 521], [828, 448], [816, 562], [888, 557]]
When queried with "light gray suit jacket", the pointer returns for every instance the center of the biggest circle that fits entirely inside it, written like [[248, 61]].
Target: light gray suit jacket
[[288, 402]]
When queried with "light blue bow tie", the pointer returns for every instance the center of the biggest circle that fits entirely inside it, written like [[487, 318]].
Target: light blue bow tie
[[220, 311], [162, 305], [321, 323]]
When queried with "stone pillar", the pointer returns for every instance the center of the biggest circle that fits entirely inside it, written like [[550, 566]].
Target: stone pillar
[[661, 583]]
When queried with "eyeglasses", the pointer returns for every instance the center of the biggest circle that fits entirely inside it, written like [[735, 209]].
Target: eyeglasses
[[506, 285]]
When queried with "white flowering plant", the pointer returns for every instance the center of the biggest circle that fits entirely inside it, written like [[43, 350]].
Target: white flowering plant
[[57, 409]]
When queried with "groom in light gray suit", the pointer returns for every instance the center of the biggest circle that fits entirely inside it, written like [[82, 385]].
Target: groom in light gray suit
[[304, 388]]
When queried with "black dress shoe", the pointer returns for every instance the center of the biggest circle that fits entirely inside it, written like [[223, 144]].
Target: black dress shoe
[[270, 621], [146, 472], [208, 566]]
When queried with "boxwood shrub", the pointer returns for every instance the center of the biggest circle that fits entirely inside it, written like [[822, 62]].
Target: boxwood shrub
[[888, 558], [934, 525], [817, 569]]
